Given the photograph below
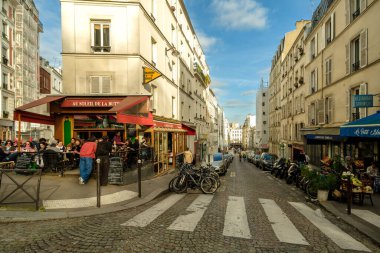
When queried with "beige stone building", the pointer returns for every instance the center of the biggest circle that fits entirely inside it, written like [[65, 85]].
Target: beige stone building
[[106, 44], [341, 59]]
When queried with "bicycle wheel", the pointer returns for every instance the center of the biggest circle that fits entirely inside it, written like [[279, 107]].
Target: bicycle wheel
[[216, 177], [311, 190], [180, 184], [209, 185]]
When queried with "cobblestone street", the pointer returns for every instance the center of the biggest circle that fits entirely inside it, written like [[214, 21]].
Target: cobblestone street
[[104, 233]]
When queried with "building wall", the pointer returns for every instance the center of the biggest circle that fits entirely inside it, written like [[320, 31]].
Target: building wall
[[262, 124]]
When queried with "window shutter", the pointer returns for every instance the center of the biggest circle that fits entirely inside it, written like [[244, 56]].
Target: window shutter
[[321, 111], [326, 72], [95, 84], [106, 84], [363, 48], [331, 106], [363, 91], [348, 12], [332, 26], [323, 36], [309, 114], [347, 59], [316, 79], [348, 105], [363, 5], [316, 44]]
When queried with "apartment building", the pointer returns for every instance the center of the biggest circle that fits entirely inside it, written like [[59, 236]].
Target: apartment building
[[262, 124], [107, 43], [340, 61], [248, 131], [235, 134], [7, 87]]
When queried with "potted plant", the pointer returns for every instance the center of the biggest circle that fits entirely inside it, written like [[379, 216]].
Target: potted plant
[[325, 183]]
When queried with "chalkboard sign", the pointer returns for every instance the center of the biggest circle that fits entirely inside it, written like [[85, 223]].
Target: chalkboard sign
[[24, 163], [115, 175]]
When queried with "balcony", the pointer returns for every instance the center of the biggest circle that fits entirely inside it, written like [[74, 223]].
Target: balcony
[[5, 36], [355, 66], [5, 86], [301, 50], [101, 49], [328, 40], [5, 60], [300, 81], [198, 70], [4, 11], [355, 14]]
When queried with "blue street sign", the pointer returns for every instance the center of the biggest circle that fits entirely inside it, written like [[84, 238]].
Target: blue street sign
[[361, 101]]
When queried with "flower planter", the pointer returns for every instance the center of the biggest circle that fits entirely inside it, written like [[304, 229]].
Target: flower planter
[[322, 195]]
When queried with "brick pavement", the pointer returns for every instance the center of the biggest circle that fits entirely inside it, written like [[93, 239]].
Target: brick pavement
[[104, 233]]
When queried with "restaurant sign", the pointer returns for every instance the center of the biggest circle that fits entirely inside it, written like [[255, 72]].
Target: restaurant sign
[[100, 102], [362, 101], [369, 132]]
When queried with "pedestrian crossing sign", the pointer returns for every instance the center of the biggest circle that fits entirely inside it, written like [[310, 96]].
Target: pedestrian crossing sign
[[150, 75]]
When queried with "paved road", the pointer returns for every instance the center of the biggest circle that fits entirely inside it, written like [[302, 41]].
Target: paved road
[[251, 212]]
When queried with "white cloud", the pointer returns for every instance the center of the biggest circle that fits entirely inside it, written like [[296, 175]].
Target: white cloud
[[248, 93], [206, 41], [242, 14]]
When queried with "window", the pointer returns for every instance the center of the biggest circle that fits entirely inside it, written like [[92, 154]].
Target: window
[[312, 114], [328, 31], [100, 41], [100, 84], [355, 47], [174, 72], [174, 38], [357, 52], [5, 81], [328, 71], [314, 81], [328, 110], [154, 52], [173, 107], [354, 8], [5, 107], [264, 94], [312, 48]]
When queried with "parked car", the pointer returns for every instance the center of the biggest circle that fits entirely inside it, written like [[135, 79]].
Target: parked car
[[267, 161], [219, 164], [256, 160]]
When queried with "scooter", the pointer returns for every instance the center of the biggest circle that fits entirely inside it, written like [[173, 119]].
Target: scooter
[[293, 172]]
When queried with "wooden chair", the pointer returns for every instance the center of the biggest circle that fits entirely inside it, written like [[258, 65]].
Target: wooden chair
[[53, 161]]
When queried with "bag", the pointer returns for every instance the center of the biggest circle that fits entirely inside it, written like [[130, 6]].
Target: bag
[[39, 161]]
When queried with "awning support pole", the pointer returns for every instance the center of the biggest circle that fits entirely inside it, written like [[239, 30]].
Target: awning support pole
[[19, 133]]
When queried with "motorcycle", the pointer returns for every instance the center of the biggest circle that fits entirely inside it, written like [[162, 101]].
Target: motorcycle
[[294, 172], [277, 165]]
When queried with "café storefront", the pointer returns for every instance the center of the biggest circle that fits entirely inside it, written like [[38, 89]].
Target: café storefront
[[82, 117]]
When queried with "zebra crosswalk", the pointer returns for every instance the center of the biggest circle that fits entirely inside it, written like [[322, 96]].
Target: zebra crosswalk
[[237, 224]]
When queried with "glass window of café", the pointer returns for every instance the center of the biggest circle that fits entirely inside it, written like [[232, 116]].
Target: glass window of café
[[86, 126]]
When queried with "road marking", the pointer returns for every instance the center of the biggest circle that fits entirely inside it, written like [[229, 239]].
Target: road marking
[[236, 222], [145, 218], [189, 221], [339, 237], [89, 202], [269, 177], [233, 174], [368, 216], [281, 225]]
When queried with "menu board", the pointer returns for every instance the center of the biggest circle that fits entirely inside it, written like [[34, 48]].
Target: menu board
[[115, 174]]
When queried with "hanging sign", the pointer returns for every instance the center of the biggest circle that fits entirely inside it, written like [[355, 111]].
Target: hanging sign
[[362, 101], [150, 75]]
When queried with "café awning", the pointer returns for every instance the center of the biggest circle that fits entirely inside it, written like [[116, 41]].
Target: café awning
[[134, 110], [33, 118], [130, 102], [38, 102], [368, 127]]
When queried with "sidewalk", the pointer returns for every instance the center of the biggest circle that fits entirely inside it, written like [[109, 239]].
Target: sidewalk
[[365, 218], [63, 197]]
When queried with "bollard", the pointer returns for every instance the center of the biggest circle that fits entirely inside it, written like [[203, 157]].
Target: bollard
[[98, 182], [349, 195], [139, 176]]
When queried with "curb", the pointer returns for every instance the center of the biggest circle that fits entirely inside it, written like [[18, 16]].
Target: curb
[[360, 227], [24, 216]]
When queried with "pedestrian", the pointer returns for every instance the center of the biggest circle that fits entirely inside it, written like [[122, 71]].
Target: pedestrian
[[372, 170], [188, 156], [103, 151], [87, 154]]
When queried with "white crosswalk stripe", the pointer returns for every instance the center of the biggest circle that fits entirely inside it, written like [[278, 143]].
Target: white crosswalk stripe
[[342, 239], [282, 226], [236, 222], [189, 221], [149, 215], [368, 216]]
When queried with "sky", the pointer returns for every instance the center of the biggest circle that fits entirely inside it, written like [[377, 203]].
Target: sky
[[239, 38]]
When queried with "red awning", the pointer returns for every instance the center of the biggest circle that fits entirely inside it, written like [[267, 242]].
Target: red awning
[[33, 118], [189, 130], [128, 103], [133, 119], [38, 102]]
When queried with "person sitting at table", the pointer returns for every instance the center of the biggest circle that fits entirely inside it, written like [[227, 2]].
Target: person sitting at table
[[71, 145], [117, 138], [28, 147], [8, 148], [53, 146], [3, 155], [60, 146]]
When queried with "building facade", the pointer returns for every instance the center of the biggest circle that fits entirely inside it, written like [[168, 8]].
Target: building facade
[[339, 62], [235, 135], [262, 125], [106, 45], [248, 132]]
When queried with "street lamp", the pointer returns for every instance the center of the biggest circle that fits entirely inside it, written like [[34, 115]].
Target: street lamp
[[174, 52]]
